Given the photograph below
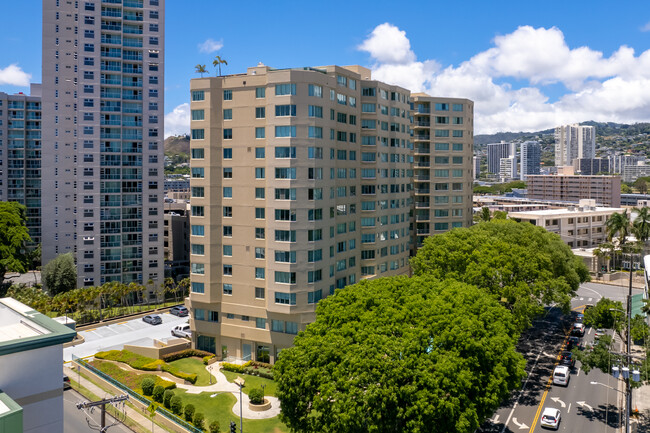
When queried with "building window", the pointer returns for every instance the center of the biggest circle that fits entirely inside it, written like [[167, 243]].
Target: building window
[[285, 89], [198, 95], [259, 273], [227, 95], [227, 289], [259, 292], [198, 287]]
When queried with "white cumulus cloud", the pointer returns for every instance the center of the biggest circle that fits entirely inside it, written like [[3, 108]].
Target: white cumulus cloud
[[614, 88], [210, 46], [14, 76], [178, 121]]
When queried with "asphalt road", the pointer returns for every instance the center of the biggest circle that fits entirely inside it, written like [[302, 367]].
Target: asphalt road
[[115, 336], [74, 420], [585, 407]]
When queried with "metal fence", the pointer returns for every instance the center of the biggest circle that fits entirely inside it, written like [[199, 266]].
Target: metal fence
[[161, 410]]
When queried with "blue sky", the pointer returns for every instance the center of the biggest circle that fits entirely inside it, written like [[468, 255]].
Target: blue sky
[[527, 65]]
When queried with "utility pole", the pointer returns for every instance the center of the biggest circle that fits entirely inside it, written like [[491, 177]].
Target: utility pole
[[240, 383], [102, 404]]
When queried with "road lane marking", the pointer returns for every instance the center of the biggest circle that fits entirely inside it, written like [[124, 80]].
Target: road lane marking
[[523, 388], [521, 426], [583, 405], [496, 419], [589, 332], [590, 299], [122, 323], [582, 299], [557, 400], [548, 386], [578, 372], [569, 409], [592, 290], [90, 330]]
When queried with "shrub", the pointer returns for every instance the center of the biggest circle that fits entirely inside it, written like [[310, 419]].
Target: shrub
[[235, 368], [177, 405], [199, 420], [189, 412], [147, 386], [214, 427], [261, 364], [256, 395], [167, 399], [185, 354], [206, 361], [158, 393]]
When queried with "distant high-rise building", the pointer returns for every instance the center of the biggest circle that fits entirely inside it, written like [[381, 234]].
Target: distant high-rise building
[[508, 168], [574, 141], [531, 158], [496, 151], [591, 166], [477, 166], [617, 163], [103, 81], [20, 154], [633, 172]]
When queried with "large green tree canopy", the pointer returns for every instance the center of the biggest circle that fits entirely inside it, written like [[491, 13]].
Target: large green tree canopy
[[400, 354], [60, 274], [14, 236], [524, 266]]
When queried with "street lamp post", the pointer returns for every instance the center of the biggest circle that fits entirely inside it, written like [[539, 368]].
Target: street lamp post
[[240, 383]]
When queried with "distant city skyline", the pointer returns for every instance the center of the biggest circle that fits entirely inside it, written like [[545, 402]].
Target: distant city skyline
[[527, 68]]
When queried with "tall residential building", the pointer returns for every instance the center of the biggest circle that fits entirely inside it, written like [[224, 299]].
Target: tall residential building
[[103, 83], [531, 158], [301, 184], [496, 151], [508, 168], [574, 141], [444, 147], [633, 172], [477, 166], [605, 190], [617, 163], [20, 154], [590, 166]]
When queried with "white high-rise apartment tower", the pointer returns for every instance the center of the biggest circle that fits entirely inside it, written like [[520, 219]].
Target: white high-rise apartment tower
[[103, 65], [573, 142]]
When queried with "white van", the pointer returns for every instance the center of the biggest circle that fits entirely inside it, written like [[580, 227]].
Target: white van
[[561, 375]]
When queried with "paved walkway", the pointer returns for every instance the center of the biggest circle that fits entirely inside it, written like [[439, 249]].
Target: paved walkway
[[223, 385], [219, 387]]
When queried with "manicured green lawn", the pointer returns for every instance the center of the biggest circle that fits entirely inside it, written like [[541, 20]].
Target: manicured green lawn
[[252, 382], [194, 365], [219, 408]]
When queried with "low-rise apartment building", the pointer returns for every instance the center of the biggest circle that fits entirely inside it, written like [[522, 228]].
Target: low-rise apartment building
[[581, 226], [605, 190]]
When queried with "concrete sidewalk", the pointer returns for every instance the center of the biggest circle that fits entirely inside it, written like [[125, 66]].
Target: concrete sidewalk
[[143, 420]]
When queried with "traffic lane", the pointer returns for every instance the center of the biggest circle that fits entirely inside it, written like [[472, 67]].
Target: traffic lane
[[611, 291], [74, 420], [115, 336], [540, 346]]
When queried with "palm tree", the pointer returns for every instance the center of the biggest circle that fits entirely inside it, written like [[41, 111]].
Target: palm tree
[[604, 251], [183, 286], [200, 69], [169, 286], [217, 63], [483, 215], [618, 226], [641, 224]]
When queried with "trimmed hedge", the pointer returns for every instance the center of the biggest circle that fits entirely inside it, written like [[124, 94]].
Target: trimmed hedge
[[187, 353], [190, 377], [206, 359], [235, 368], [177, 405]]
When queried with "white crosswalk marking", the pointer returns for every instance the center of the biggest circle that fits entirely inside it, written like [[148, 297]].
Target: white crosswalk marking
[[582, 299], [590, 299]]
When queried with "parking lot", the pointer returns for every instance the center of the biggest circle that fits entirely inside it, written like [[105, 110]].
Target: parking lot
[[115, 336]]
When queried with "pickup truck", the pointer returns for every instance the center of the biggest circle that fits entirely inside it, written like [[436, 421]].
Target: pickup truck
[[182, 331]]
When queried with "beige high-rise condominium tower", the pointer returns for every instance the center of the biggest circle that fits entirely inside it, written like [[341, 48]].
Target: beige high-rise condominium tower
[[302, 183], [443, 174], [103, 65]]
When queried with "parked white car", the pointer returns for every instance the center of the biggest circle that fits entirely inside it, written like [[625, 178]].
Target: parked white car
[[182, 331]]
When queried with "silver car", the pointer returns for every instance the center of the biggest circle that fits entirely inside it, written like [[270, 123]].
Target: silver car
[[152, 319]]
